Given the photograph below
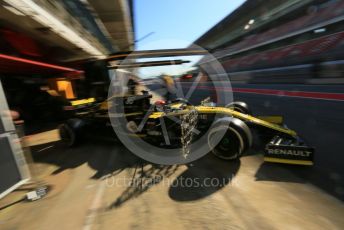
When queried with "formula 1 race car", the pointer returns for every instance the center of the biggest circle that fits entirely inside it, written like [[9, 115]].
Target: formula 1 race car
[[228, 131], [281, 144]]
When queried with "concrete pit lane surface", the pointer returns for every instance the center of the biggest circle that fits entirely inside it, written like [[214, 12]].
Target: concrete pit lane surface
[[101, 185]]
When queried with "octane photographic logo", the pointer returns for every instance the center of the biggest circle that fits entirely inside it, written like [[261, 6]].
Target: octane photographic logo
[[193, 144]]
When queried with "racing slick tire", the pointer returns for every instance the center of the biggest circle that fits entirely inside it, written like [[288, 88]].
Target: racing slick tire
[[239, 106], [236, 140], [71, 131]]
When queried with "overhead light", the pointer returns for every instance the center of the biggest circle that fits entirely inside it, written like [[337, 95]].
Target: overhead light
[[14, 10], [251, 22], [247, 27], [30, 8], [320, 30]]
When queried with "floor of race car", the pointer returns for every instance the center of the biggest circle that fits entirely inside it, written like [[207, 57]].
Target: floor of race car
[[89, 190]]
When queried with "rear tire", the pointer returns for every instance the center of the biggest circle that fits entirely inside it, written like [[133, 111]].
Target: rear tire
[[71, 131], [67, 135], [240, 107], [236, 138]]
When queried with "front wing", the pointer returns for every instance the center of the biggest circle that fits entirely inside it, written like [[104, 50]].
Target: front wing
[[288, 151]]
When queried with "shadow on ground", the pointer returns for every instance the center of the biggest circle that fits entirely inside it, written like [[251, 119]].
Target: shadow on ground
[[144, 177], [279, 173], [108, 158], [203, 178], [104, 156]]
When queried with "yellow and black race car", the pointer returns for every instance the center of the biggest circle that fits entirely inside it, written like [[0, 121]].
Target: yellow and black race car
[[238, 126], [229, 130]]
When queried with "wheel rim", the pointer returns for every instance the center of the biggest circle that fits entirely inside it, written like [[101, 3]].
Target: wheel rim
[[230, 146]]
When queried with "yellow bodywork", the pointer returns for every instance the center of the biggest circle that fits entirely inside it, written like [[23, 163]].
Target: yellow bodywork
[[288, 161], [229, 112], [82, 101], [272, 122], [272, 119]]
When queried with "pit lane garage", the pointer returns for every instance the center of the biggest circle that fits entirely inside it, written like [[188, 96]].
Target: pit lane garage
[[24, 99]]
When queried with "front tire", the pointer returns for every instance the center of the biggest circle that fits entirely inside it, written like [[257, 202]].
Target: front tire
[[236, 138]]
